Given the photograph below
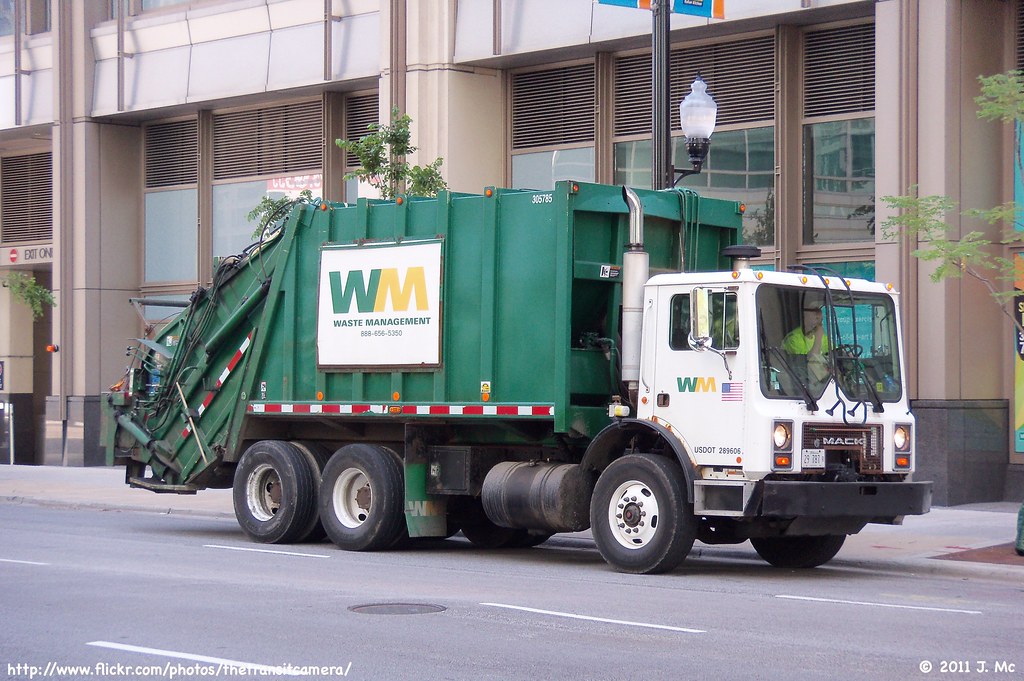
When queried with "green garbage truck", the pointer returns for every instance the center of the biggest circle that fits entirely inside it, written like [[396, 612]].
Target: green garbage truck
[[517, 364]]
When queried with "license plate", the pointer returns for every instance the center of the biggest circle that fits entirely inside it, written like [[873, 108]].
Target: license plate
[[812, 458]]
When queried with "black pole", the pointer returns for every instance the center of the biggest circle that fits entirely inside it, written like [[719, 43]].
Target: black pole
[[661, 137]]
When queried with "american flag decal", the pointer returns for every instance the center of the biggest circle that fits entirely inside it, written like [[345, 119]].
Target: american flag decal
[[732, 392]]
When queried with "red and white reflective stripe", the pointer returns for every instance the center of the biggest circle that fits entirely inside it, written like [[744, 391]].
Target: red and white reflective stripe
[[546, 410], [222, 378], [276, 408]]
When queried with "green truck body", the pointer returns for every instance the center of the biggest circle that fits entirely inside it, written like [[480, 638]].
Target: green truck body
[[530, 282]]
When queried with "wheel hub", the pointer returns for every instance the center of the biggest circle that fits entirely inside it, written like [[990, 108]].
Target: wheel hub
[[352, 498], [263, 492], [633, 514]]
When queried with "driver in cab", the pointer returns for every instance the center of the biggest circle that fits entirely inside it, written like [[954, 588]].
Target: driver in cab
[[810, 339]]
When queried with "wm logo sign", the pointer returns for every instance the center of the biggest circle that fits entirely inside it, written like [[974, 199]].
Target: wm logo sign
[[372, 295], [696, 384]]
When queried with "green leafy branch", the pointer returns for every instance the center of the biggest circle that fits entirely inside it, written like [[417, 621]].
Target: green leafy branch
[[269, 212], [25, 288], [923, 220], [381, 155]]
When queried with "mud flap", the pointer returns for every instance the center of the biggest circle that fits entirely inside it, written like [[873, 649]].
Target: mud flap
[[426, 515]]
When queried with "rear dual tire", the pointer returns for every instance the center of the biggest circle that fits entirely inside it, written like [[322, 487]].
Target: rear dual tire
[[275, 492], [362, 498]]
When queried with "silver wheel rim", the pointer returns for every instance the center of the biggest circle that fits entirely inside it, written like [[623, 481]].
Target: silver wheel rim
[[633, 515], [263, 492], [352, 498]]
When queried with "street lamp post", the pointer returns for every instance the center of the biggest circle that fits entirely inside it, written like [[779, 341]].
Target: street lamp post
[[698, 113]]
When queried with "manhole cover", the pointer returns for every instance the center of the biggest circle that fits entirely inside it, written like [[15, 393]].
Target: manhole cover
[[397, 609]]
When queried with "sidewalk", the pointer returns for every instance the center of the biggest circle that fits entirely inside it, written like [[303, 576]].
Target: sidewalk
[[975, 538], [102, 488]]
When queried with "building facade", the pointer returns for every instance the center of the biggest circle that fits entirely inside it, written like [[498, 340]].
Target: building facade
[[135, 136]]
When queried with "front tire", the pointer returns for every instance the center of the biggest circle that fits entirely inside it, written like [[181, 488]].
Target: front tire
[[639, 515], [274, 493], [361, 498], [798, 552]]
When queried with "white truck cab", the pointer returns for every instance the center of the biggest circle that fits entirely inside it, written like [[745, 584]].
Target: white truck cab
[[786, 391]]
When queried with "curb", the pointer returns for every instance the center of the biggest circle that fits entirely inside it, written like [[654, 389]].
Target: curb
[[107, 506]]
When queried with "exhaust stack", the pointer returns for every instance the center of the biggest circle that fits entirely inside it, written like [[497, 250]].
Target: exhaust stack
[[635, 273]]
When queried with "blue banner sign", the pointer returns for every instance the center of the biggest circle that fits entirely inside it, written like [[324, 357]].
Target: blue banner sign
[[712, 9]]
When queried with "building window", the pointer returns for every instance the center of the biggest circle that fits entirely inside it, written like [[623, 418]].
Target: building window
[[171, 202], [839, 135], [540, 170], [6, 17], [232, 201], [553, 126], [740, 167], [741, 163], [856, 269], [839, 181], [146, 5], [171, 235], [26, 198], [360, 114], [276, 152], [35, 16]]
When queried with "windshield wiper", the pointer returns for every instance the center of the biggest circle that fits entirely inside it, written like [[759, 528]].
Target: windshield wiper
[[876, 399], [857, 372], [812, 404]]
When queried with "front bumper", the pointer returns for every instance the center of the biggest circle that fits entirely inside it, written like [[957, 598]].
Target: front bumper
[[868, 500]]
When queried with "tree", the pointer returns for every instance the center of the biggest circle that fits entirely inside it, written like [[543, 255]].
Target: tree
[[923, 218], [25, 288], [382, 163]]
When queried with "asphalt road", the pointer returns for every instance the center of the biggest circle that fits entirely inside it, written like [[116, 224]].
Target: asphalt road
[[192, 597]]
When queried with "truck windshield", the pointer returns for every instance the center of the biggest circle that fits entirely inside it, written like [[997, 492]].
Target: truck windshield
[[804, 344]]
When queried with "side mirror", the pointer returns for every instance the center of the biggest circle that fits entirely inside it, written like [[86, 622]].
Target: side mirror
[[700, 320]]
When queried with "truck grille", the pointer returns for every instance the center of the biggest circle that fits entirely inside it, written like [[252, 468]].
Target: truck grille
[[859, 445]]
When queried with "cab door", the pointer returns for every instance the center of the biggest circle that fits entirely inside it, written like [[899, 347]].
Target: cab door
[[694, 393]]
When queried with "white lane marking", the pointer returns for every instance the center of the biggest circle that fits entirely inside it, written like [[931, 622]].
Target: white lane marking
[[574, 616], [280, 553], [879, 605], [266, 668], [21, 562]]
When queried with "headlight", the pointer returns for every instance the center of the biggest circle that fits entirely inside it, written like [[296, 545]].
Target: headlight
[[901, 438], [782, 436]]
